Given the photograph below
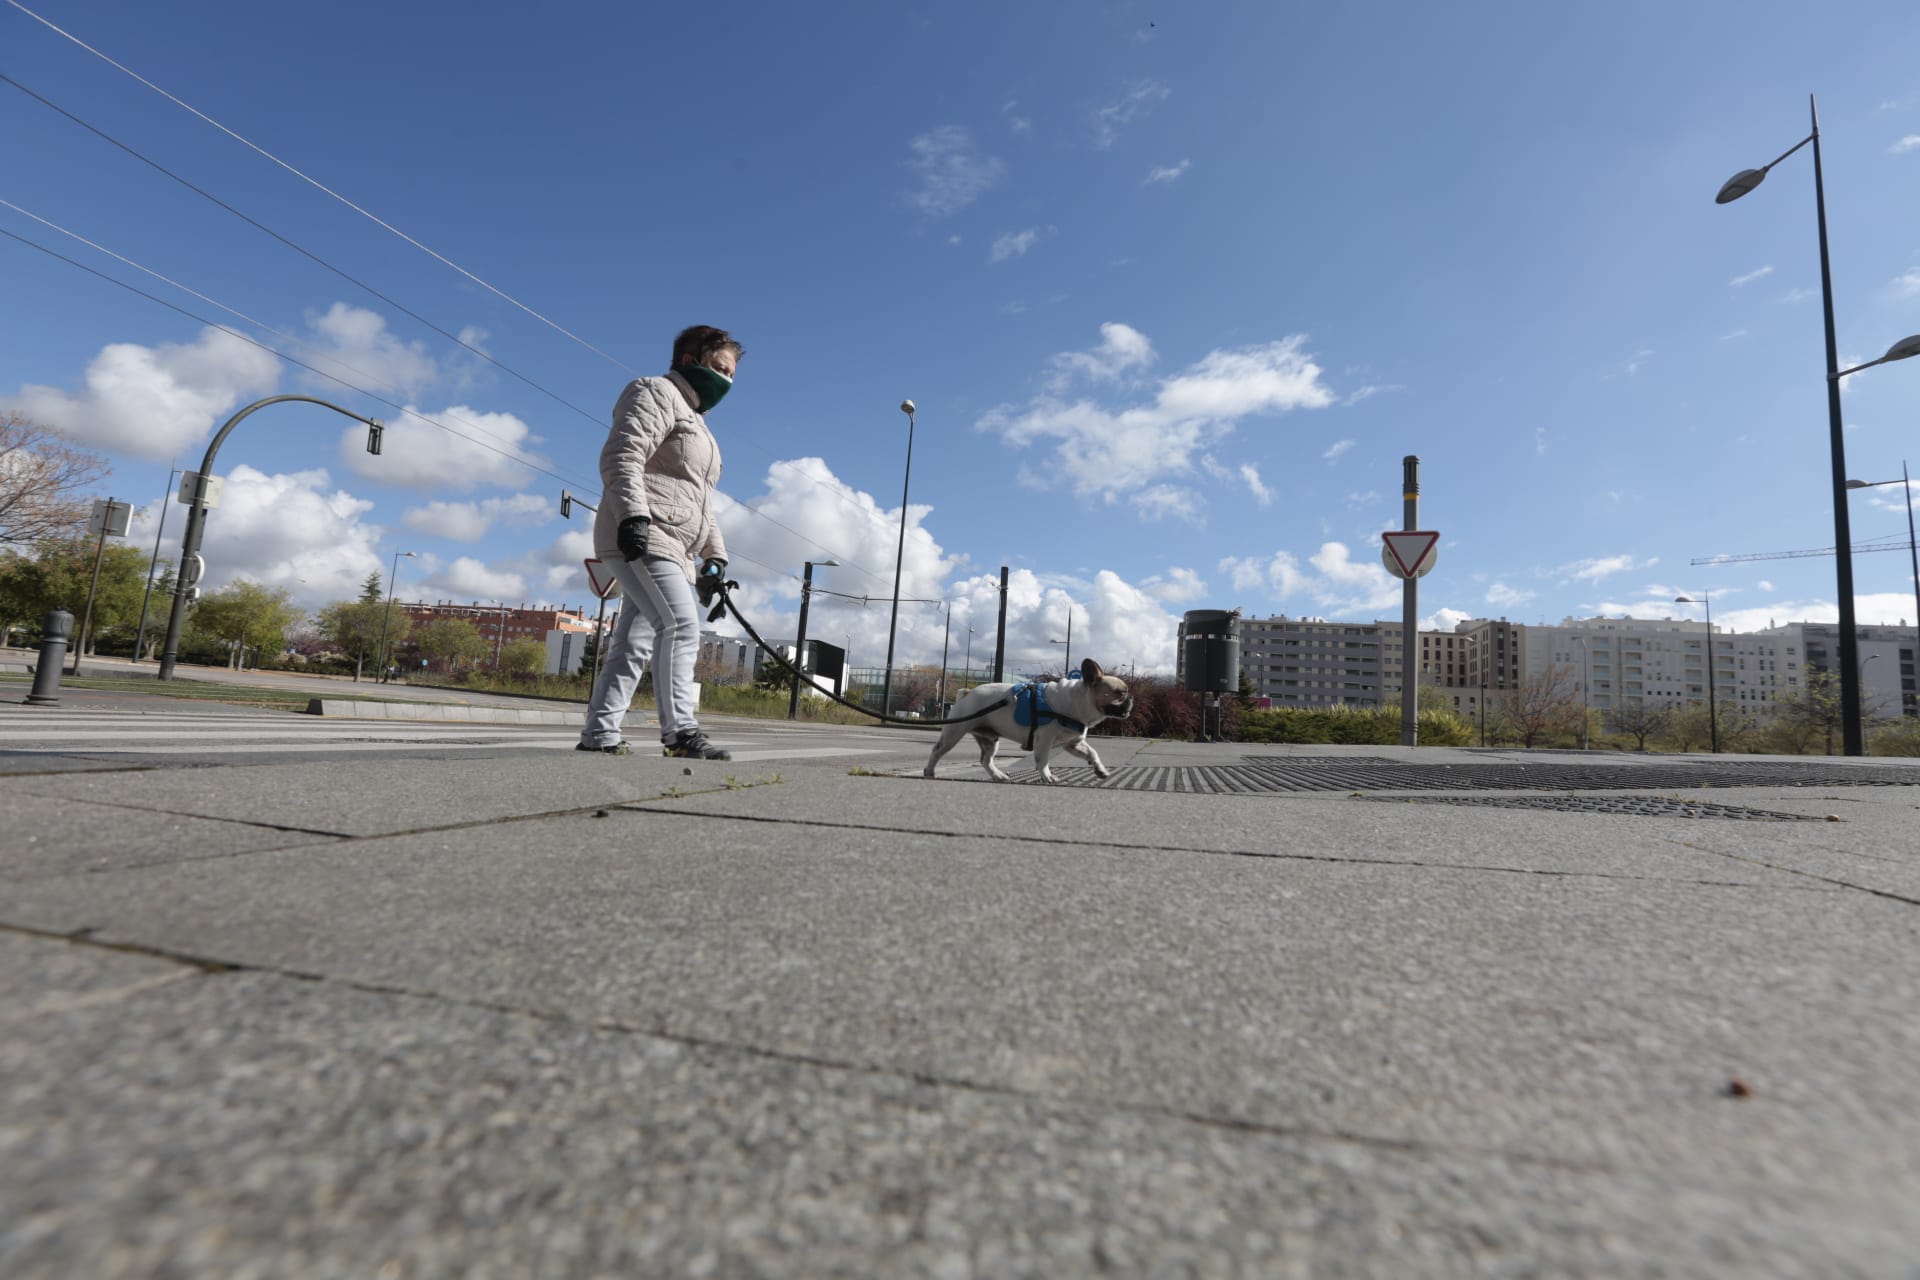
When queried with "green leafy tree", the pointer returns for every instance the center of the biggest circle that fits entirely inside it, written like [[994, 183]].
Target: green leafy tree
[[523, 658], [57, 576], [1815, 714], [372, 591], [1639, 721], [246, 615], [1687, 728], [451, 643], [354, 625]]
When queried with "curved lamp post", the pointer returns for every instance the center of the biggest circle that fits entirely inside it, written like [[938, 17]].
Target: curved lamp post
[[800, 640], [184, 587], [886, 684], [1913, 546], [1713, 714], [1735, 187], [386, 620]]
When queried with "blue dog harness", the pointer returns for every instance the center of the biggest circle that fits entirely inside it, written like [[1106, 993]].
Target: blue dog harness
[[1030, 709]]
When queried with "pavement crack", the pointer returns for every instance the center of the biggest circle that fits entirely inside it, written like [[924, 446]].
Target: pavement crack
[[1803, 874], [654, 806]]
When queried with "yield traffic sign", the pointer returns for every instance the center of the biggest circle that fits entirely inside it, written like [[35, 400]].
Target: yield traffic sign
[[601, 579], [1410, 553]]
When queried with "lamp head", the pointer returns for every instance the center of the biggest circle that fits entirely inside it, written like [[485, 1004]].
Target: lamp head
[[1739, 184], [1903, 349], [906, 406], [1858, 484]]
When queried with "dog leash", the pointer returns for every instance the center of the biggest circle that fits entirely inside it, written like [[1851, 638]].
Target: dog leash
[[725, 605]]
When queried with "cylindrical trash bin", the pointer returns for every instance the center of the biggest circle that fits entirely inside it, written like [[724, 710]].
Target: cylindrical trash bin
[[1210, 650], [54, 630]]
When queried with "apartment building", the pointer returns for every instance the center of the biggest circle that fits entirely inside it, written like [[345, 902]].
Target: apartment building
[[562, 631], [1311, 662]]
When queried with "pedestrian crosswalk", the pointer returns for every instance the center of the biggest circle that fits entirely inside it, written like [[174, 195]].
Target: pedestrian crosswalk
[[227, 733]]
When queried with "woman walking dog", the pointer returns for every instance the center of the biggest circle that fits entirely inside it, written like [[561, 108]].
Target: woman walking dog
[[658, 470]]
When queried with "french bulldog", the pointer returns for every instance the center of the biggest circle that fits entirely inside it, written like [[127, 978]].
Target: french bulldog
[[1070, 708]]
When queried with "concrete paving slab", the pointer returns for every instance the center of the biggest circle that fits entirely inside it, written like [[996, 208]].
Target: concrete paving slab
[[250, 1125], [361, 797], [40, 975], [1295, 825], [1577, 1022], [55, 837], [38, 762]]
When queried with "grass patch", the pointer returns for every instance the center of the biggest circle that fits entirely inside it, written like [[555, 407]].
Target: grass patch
[[187, 690]]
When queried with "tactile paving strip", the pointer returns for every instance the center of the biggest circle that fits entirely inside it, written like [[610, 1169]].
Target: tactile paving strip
[[1274, 774], [1637, 806]]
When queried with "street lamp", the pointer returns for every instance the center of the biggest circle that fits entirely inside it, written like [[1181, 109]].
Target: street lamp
[[946, 643], [969, 666], [1586, 674], [1913, 549], [1713, 715], [1066, 662], [386, 620], [800, 640], [899, 557], [1735, 187]]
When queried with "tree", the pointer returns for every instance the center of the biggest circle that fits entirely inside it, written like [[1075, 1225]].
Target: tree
[[57, 576], [355, 626], [372, 591], [1688, 727], [246, 615], [1541, 707], [448, 643], [1639, 721], [1815, 712], [41, 474], [523, 657]]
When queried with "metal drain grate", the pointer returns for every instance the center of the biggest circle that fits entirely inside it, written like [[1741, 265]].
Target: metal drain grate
[[1637, 806], [1273, 774]]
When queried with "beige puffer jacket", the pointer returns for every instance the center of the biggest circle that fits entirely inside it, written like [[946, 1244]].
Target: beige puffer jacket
[[660, 461]]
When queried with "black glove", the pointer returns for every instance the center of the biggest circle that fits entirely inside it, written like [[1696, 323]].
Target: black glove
[[713, 572], [633, 537]]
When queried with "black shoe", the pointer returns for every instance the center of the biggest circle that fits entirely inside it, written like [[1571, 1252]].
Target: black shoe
[[617, 749], [691, 744]]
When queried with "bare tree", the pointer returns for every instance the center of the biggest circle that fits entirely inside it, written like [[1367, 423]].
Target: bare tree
[[1639, 721], [1542, 707], [41, 475]]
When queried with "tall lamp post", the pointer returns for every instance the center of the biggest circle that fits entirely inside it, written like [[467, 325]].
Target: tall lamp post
[[1066, 662], [1913, 547], [386, 620], [185, 588], [1713, 715], [800, 640], [1586, 674], [153, 565], [899, 556], [969, 665], [946, 644], [1739, 185]]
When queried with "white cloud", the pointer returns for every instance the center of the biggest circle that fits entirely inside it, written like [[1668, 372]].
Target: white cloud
[[469, 521], [1369, 391], [419, 454], [353, 345], [1015, 121], [1763, 585], [1502, 596], [1540, 442], [1758, 273], [1122, 348], [1639, 358], [1356, 501], [1795, 295], [1729, 337], [1907, 284], [1164, 173], [156, 402], [1251, 474], [1908, 143], [293, 531], [1014, 244], [1337, 450], [468, 580], [1352, 586], [1593, 569], [1176, 586], [1169, 501], [949, 171], [1139, 98], [1445, 619], [1110, 453]]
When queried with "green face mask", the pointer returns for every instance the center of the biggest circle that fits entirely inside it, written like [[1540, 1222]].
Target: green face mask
[[711, 387]]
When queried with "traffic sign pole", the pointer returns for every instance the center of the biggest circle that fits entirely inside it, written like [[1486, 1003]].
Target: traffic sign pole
[[1409, 615]]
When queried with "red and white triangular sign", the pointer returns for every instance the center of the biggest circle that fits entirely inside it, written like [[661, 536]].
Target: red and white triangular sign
[[601, 579], [1409, 554]]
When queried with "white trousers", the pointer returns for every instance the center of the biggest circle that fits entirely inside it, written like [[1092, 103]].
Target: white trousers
[[658, 620]]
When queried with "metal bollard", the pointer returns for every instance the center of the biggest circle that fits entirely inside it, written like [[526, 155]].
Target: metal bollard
[[54, 631]]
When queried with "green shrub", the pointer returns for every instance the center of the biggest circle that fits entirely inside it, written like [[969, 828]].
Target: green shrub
[[1901, 738]]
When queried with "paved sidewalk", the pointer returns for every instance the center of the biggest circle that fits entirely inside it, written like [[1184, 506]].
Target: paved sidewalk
[[557, 1015]]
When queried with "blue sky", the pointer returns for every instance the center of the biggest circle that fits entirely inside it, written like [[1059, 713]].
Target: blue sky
[[1174, 288]]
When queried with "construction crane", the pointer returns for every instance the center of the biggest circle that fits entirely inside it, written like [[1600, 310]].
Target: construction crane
[[1858, 548]]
